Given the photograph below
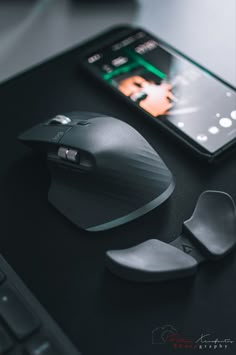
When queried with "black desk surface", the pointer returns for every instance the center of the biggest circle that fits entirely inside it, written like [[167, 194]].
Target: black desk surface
[[64, 266]]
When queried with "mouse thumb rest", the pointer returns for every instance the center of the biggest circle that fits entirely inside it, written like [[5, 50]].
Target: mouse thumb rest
[[209, 234]]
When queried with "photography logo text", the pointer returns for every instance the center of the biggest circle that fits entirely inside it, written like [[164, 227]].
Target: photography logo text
[[169, 336]]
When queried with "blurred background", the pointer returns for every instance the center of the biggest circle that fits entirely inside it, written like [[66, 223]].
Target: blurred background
[[32, 31]]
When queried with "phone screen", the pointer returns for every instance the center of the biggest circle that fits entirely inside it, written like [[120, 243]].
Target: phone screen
[[170, 88]]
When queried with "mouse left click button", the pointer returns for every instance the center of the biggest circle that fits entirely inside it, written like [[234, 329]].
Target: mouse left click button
[[44, 134]]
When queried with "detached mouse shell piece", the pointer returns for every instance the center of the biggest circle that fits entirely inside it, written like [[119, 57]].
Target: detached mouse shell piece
[[210, 234], [104, 173]]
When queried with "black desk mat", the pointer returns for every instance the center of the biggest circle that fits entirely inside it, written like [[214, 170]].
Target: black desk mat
[[64, 266]]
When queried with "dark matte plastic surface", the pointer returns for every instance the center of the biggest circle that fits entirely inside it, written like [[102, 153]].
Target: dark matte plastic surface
[[213, 224], [116, 169], [151, 261], [212, 227], [64, 266]]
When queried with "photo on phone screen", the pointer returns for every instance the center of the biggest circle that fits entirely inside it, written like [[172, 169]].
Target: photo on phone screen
[[169, 88]]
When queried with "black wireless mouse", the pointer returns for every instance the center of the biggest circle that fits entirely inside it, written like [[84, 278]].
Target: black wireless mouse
[[103, 172]]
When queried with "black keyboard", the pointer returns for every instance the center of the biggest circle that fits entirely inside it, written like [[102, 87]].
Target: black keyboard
[[25, 326]]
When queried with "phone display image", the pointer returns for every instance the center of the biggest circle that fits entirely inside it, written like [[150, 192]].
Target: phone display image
[[169, 88], [147, 92]]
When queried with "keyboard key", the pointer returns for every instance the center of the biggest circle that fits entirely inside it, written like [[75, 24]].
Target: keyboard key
[[16, 313], [6, 342], [25, 327], [40, 345]]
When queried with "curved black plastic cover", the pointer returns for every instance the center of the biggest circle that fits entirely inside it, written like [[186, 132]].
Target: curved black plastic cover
[[126, 179], [213, 224], [116, 177], [212, 230], [151, 261]]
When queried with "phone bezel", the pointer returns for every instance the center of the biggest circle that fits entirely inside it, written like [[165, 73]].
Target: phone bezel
[[116, 34]]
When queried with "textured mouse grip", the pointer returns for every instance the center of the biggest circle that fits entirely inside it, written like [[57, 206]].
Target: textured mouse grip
[[151, 261], [213, 224]]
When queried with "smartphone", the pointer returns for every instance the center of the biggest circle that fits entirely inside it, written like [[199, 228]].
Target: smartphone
[[169, 88]]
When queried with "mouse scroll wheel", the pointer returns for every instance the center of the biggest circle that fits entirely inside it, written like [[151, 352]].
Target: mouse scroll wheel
[[71, 155], [60, 119]]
